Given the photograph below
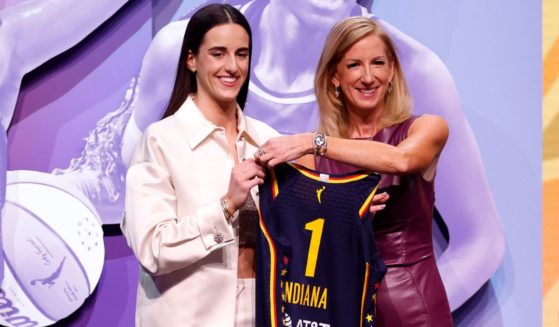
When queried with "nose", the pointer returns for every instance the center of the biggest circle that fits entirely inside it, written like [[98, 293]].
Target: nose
[[368, 77], [231, 64]]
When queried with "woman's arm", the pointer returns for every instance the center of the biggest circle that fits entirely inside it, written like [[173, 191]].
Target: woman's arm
[[162, 240], [426, 138]]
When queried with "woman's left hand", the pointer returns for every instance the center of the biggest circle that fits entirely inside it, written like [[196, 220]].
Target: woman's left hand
[[379, 202], [284, 148]]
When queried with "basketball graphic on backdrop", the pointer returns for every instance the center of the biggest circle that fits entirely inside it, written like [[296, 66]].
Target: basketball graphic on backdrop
[[53, 250]]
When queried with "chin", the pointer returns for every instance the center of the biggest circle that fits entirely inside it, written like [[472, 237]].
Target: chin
[[226, 98]]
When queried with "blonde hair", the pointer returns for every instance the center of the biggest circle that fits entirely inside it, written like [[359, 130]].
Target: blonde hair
[[333, 112]]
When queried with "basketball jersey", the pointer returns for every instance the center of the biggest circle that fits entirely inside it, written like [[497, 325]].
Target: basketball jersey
[[317, 263]]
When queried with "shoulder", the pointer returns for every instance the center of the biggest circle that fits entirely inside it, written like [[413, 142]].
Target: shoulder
[[432, 124], [430, 119], [156, 138], [161, 128]]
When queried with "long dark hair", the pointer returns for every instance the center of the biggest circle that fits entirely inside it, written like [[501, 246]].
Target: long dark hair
[[200, 23]]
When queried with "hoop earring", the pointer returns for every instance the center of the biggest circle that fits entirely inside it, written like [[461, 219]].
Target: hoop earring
[[390, 87], [337, 91]]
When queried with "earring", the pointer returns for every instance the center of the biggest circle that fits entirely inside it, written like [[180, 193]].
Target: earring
[[389, 86], [337, 91]]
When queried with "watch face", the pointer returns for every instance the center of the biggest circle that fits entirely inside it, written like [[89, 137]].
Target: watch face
[[319, 139]]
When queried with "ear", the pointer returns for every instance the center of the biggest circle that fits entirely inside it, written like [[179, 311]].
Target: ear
[[391, 70], [191, 62], [335, 80]]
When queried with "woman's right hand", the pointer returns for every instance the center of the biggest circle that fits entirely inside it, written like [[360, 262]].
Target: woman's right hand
[[244, 176], [284, 148]]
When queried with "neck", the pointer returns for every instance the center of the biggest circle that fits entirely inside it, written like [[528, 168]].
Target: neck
[[222, 114], [289, 50], [364, 124]]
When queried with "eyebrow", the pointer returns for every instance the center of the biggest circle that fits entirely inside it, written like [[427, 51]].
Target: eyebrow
[[374, 58], [218, 48]]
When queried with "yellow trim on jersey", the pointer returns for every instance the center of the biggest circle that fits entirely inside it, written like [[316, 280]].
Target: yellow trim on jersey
[[275, 186], [364, 295], [367, 203], [331, 180], [273, 276]]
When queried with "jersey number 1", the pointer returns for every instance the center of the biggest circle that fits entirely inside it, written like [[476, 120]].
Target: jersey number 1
[[315, 227]]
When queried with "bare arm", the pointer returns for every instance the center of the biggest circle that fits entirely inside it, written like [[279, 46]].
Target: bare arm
[[426, 139]]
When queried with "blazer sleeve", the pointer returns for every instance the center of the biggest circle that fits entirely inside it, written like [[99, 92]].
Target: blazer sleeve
[[162, 241]]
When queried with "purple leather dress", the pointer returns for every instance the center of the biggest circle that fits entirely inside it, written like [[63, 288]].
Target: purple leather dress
[[412, 292]]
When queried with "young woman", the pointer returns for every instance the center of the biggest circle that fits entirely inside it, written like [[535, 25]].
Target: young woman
[[190, 189]]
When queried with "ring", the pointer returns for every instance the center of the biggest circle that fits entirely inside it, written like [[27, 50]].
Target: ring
[[261, 151]]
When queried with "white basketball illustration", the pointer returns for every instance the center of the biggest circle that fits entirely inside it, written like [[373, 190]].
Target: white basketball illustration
[[53, 247]]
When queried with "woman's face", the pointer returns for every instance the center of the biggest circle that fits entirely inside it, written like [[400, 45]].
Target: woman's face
[[222, 63], [363, 75]]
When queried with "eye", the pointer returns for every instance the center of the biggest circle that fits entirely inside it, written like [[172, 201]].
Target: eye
[[352, 65], [217, 54], [378, 62], [242, 54]]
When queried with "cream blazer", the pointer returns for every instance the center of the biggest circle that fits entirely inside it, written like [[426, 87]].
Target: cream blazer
[[174, 223]]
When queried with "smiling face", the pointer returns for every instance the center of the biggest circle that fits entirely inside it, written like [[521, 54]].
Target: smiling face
[[221, 64], [363, 75]]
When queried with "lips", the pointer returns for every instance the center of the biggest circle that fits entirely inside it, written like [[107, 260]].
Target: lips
[[229, 81], [367, 92]]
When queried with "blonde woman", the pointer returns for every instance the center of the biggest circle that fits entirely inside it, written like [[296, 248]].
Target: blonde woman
[[365, 122]]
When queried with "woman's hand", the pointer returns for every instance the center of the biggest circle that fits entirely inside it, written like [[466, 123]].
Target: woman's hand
[[244, 176], [379, 202], [284, 148]]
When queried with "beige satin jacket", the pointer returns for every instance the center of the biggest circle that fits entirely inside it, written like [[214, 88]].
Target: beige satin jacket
[[174, 223]]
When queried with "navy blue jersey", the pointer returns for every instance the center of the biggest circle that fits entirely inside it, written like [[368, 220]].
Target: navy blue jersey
[[317, 263]]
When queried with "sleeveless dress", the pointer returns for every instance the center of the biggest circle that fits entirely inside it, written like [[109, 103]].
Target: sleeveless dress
[[412, 292]]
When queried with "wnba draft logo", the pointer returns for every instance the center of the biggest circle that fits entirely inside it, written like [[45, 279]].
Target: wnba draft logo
[[53, 249]]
